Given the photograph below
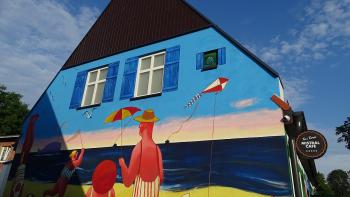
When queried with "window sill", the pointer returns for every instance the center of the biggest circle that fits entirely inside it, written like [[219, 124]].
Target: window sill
[[146, 96], [88, 106], [209, 68]]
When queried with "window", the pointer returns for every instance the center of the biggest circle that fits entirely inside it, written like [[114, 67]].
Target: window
[[210, 60], [4, 152], [94, 87], [150, 73]]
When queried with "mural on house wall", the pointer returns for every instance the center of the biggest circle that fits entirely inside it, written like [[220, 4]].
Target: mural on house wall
[[214, 134], [18, 182]]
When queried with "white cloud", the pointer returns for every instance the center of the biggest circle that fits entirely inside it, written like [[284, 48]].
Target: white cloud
[[325, 24], [244, 103], [36, 38], [323, 30], [296, 91]]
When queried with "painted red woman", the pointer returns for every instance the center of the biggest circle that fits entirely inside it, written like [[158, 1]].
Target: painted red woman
[[17, 186], [146, 164]]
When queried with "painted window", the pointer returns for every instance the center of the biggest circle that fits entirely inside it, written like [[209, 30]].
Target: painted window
[[94, 87], [150, 74], [91, 85], [210, 59]]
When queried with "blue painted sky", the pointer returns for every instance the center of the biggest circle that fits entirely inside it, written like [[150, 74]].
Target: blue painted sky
[[307, 42]]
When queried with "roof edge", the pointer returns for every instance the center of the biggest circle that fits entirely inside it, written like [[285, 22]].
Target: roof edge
[[265, 66], [257, 60], [98, 18], [138, 46]]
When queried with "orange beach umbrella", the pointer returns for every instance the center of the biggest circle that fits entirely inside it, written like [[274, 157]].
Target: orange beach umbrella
[[121, 114]]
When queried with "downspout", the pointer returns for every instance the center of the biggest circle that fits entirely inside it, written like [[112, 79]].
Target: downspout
[[294, 161], [293, 128]]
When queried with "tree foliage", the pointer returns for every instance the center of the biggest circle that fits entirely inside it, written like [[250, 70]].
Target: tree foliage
[[338, 180], [344, 132], [322, 188], [12, 112]]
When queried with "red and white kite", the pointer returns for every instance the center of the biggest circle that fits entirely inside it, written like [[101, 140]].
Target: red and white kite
[[217, 86]]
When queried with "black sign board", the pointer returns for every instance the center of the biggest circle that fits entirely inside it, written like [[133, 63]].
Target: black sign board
[[311, 144]]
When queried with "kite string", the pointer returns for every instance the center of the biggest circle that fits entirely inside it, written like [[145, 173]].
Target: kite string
[[73, 136], [212, 144], [81, 141], [181, 125]]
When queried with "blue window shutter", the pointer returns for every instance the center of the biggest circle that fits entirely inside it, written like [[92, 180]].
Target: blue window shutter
[[222, 56], [111, 79], [129, 77], [199, 61], [78, 90], [171, 69]]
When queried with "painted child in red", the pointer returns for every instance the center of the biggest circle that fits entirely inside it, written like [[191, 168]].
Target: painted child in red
[[18, 183], [103, 180], [146, 164], [66, 174]]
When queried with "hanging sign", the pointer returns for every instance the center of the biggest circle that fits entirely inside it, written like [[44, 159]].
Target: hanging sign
[[311, 144]]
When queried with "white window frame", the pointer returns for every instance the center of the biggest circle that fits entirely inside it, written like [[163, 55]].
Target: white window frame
[[95, 83], [150, 70], [4, 153]]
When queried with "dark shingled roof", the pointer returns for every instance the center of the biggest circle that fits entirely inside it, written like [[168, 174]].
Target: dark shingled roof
[[127, 24]]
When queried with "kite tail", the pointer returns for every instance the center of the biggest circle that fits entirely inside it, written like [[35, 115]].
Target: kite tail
[[193, 100]]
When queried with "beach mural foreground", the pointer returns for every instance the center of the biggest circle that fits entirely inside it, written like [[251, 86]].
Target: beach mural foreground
[[186, 166], [251, 166], [147, 151]]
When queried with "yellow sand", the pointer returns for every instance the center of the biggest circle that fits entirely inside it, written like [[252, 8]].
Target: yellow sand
[[73, 190]]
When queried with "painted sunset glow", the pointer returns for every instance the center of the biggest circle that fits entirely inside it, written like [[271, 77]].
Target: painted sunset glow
[[230, 126]]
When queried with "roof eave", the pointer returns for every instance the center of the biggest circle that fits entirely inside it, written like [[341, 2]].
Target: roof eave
[[236, 43], [135, 47]]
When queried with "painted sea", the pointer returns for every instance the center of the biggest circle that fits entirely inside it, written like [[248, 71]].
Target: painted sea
[[254, 164]]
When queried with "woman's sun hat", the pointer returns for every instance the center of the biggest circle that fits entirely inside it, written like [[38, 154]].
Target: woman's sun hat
[[147, 116]]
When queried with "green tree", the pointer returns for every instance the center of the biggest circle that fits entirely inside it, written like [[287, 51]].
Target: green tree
[[322, 188], [338, 180], [344, 132], [12, 112]]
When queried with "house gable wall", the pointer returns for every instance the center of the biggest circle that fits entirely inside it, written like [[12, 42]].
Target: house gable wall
[[241, 119]]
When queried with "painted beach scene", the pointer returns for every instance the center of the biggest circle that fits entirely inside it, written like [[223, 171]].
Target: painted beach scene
[[186, 168], [143, 151], [157, 100]]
